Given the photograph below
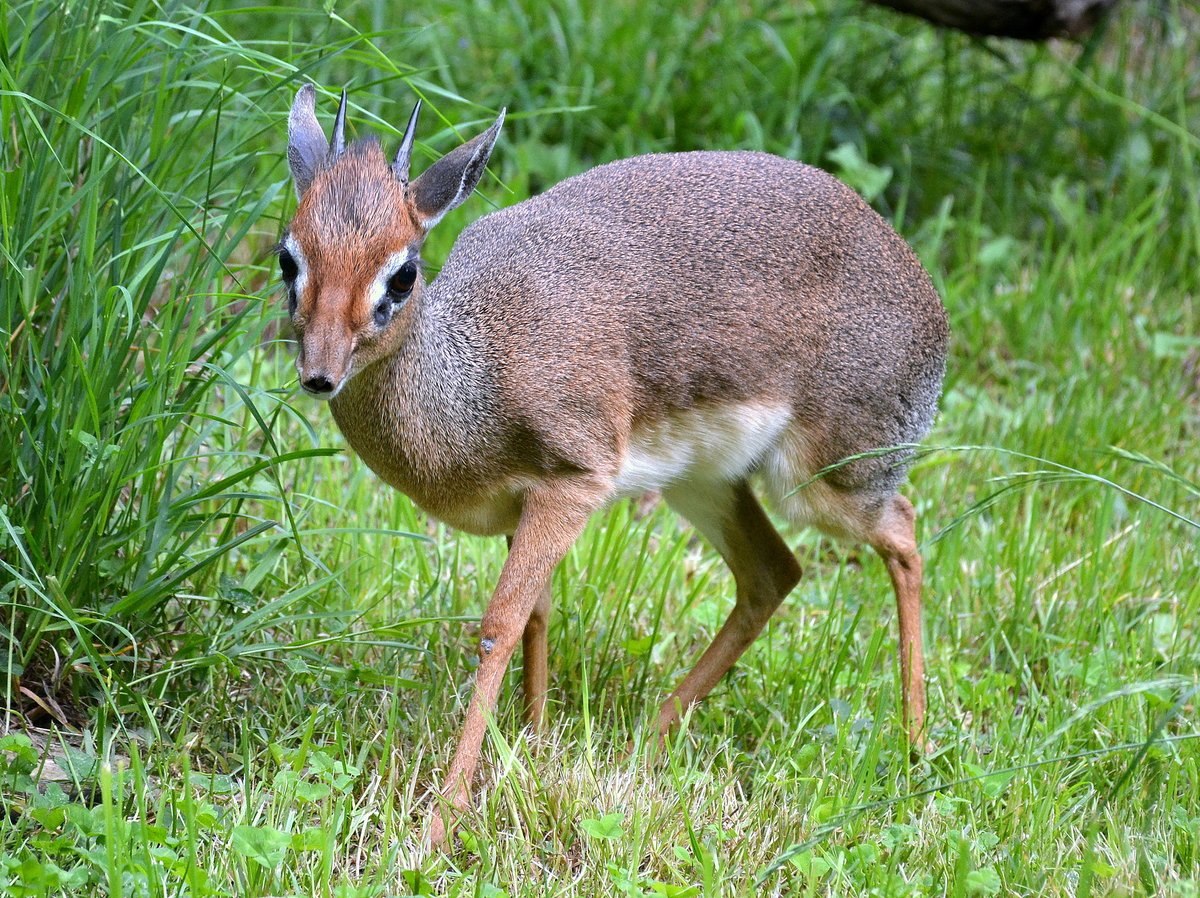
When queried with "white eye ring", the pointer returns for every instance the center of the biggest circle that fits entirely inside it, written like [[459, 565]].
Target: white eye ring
[[292, 248], [379, 287]]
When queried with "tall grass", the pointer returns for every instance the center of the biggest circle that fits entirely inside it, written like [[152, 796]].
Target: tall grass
[[131, 183], [270, 651]]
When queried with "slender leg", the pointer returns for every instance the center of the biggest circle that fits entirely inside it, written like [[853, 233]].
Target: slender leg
[[535, 649], [895, 540], [764, 569], [553, 517], [535, 653]]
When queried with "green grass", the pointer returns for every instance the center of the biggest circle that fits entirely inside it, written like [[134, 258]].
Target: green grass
[[262, 656]]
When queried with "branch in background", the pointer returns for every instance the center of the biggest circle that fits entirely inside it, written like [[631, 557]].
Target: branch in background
[[1031, 20]]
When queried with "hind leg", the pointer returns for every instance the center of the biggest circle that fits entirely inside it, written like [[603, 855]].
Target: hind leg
[[894, 538], [887, 522], [764, 569]]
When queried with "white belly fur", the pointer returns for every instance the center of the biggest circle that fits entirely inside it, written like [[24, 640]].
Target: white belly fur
[[716, 443]]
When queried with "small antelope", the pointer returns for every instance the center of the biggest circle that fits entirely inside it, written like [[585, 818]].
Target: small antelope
[[678, 322]]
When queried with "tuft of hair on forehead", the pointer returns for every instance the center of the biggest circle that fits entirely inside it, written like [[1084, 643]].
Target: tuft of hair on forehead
[[362, 158], [355, 208]]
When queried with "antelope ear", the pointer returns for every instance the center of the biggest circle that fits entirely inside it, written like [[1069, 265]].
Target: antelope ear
[[449, 181], [307, 146]]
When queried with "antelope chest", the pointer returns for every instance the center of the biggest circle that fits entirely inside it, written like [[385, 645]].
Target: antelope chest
[[457, 499], [484, 514]]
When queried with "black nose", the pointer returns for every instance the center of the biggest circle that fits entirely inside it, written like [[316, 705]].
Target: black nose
[[319, 384]]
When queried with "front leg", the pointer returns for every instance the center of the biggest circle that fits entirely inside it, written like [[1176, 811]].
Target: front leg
[[552, 518]]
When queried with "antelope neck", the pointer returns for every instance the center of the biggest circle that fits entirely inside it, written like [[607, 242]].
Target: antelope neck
[[415, 417]]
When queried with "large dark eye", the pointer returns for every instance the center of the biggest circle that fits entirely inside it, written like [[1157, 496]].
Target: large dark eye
[[287, 267], [400, 284]]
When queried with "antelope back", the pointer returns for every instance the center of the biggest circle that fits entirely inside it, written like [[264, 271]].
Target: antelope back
[[669, 299]]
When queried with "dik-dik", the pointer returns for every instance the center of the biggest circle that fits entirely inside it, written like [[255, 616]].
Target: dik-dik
[[684, 322]]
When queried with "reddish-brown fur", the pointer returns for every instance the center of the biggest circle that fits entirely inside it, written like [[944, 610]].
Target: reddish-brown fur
[[676, 322]]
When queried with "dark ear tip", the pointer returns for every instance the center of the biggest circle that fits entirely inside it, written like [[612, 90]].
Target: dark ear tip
[[306, 91]]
